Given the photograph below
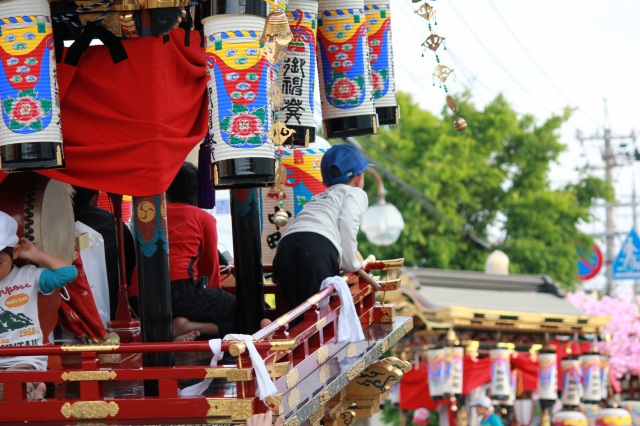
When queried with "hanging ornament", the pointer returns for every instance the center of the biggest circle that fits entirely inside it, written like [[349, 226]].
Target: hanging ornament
[[279, 133], [460, 124], [442, 72], [433, 42], [452, 104], [426, 11], [276, 28]]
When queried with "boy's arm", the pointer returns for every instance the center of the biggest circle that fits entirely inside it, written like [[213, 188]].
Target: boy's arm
[[26, 250]]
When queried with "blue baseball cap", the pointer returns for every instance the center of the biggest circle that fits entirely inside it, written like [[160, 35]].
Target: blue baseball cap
[[347, 159]]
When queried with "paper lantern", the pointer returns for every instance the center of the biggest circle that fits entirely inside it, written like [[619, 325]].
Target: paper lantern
[[633, 407], [239, 78], [345, 70], [591, 411], [524, 410], [436, 373], [604, 377], [569, 418], [303, 181], [613, 417], [456, 366], [571, 382], [591, 377], [297, 74], [548, 376], [381, 56], [30, 133], [500, 374]]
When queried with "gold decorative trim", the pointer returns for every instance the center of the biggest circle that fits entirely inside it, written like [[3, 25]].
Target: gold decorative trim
[[324, 397], [355, 371], [323, 354], [324, 373], [408, 326], [89, 348], [385, 345], [278, 369], [293, 421], [283, 320], [275, 403], [240, 375], [315, 299], [90, 409], [78, 376], [283, 344], [293, 398], [314, 419], [236, 408], [321, 323], [352, 350], [236, 349], [157, 4], [292, 378]]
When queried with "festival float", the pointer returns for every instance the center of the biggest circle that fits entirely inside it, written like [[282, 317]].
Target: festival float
[[113, 95]]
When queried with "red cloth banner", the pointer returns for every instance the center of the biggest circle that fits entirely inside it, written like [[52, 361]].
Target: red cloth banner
[[128, 127]]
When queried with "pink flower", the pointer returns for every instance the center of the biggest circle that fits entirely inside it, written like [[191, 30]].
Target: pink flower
[[244, 125], [345, 89], [26, 110]]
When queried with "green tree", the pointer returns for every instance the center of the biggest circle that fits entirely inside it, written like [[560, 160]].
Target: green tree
[[491, 177]]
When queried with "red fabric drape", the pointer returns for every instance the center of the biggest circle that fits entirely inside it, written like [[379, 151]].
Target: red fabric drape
[[128, 127], [414, 390], [577, 348], [529, 371], [476, 373]]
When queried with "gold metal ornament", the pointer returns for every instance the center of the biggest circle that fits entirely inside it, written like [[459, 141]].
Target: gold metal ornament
[[279, 133], [442, 72], [275, 95], [460, 124], [426, 11], [281, 180], [433, 42], [276, 28], [452, 104]]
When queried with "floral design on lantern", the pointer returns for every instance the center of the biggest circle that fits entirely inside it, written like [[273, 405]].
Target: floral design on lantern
[[243, 127], [26, 54], [341, 44], [379, 27], [345, 91]]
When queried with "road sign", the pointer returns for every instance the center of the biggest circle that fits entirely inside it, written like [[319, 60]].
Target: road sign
[[627, 263], [589, 262]]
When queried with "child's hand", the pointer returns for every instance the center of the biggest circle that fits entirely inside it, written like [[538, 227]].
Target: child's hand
[[25, 249]]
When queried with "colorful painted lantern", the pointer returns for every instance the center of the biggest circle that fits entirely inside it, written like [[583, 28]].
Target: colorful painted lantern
[[437, 376], [345, 69], [297, 74], [548, 375], [613, 417], [604, 377], [591, 411], [456, 366], [569, 418], [633, 407], [381, 57], [500, 374], [571, 382], [303, 180], [591, 378], [239, 78], [30, 134]]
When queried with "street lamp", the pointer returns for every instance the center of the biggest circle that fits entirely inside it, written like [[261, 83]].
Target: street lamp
[[383, 222]]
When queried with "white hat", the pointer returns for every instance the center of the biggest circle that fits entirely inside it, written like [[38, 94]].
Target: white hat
[[8, 231], [421, 415], [483, 401]]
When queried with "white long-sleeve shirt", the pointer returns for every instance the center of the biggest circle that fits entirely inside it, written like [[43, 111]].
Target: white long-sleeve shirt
[[336, 214]]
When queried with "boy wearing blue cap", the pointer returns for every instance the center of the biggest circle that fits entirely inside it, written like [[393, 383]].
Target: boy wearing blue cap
[[322, 238]]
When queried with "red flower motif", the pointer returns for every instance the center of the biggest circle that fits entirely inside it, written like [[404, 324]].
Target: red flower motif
[[244, 125], [377, 81], [26, 111], [345, 89]]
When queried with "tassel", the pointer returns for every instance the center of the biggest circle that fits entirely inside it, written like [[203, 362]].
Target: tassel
[[206, 194]]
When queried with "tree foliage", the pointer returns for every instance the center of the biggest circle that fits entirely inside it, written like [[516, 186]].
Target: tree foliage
[[491, 179]]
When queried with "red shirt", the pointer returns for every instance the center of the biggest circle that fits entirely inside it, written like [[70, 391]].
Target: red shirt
[[193, 243]]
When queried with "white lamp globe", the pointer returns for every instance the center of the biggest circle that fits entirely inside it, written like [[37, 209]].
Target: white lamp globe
[[382, 224]]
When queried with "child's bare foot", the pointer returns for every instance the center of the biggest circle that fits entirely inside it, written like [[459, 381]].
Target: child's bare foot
[[187, 337]]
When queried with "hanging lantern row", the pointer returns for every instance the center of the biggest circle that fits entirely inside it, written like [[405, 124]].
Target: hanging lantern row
[[441, 72], [445, 371]]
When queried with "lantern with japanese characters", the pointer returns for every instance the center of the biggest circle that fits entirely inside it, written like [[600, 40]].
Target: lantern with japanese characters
[[238, 80], [437, 377], [500, 374], [455, 363], [345, 70], [298, 180], [571, 372], [297, 74], [548, 376], [30, 133], [381, 56], [591, 376]]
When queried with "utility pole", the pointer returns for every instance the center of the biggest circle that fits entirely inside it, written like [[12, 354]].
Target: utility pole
[[609, 157]]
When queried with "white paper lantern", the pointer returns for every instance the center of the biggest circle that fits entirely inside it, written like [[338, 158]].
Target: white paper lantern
[[500, 374]]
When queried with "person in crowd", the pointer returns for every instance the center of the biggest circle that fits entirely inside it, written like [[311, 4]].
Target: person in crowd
[[86, 210], [484, 409], [199, 305], [322, 238], [19, 321]]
